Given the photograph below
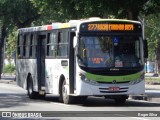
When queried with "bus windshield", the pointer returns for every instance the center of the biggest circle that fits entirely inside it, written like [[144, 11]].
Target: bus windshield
[[110, 51]]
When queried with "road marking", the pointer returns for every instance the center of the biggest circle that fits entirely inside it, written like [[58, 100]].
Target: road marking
[[139, 118], [62, 104]]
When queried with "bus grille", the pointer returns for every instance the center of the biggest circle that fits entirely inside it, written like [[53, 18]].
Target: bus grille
[[106, 90], [112, 82]]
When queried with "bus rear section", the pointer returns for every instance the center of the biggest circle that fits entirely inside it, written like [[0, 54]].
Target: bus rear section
[[45, 60]]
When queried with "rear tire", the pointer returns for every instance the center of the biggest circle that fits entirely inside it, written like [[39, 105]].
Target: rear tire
[[32, 94]]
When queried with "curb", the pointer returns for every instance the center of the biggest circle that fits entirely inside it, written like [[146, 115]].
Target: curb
[[152, 87], [145, 98], [152, 82], [8, 81]]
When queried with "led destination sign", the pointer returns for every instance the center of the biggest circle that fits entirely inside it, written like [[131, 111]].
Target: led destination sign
[[110, 27]]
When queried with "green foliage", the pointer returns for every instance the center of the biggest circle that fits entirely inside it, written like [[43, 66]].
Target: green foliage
[[23, 13], [20, 13], [151, 7], [9, 68], [152, 33], [156, 79], [64, 10], [11, 43]]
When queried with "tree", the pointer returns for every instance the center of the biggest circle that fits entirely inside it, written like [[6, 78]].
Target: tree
[[153, 37], [64, 10], [11, 43], [20, 13], [24, 13]]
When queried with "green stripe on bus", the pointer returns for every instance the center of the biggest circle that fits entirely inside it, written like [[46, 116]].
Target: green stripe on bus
[[124, 78]]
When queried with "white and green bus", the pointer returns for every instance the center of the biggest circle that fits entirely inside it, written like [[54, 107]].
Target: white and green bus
[[81, 58]]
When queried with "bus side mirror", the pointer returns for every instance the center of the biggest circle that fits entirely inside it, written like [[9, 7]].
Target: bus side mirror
[[74, 41], [145, 48]]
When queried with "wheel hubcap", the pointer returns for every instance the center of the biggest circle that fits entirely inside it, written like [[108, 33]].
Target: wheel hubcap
[[64, 91]]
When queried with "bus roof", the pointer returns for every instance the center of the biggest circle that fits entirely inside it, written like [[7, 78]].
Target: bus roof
[[70, 24]]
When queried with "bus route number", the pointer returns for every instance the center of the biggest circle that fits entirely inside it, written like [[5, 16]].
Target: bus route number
[[110, 27]]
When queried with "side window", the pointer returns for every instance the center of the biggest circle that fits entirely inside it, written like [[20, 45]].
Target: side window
[[62, 47], [24, 46], [31, 46], [27, 46], [19, 47], [51, 44], [34, 45]]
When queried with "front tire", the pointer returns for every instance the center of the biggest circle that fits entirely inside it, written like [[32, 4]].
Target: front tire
[[67, 99]]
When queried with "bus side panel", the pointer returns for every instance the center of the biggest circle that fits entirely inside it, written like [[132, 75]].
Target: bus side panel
[[53, 71], [20, 74], [51, 82], [23, 69], [33, 71]]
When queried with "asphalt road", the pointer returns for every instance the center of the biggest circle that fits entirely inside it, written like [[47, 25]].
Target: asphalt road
[[14, 98]]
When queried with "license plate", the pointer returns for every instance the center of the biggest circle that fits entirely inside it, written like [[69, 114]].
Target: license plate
[[113, 88]]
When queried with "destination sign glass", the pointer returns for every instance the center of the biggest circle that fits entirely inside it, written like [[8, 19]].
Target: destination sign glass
[[108, 26]]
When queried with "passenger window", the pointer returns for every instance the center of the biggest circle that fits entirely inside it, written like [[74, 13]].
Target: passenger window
[[24, 46], [52, 44], [63, 39]]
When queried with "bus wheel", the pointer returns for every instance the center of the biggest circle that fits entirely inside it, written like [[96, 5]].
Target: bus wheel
[[65, 97], [32, 94]]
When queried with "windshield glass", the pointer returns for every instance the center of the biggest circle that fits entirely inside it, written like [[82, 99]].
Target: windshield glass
[[110, 51]]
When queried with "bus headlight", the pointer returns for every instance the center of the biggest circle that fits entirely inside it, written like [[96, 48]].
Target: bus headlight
[[86, 80], [83, 77]]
